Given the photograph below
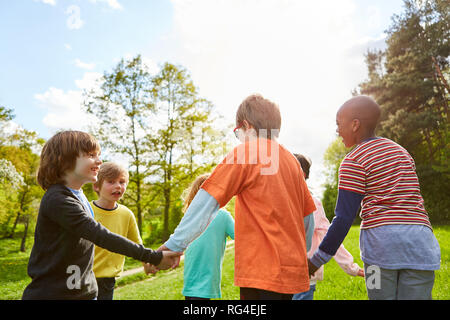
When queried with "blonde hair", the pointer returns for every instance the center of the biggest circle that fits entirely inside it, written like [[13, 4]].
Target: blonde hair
[[193, 189], [110, 170], [60, 154], [260, 112]]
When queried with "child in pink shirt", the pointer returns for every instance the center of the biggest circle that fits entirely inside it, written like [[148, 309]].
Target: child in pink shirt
[[321, 224]]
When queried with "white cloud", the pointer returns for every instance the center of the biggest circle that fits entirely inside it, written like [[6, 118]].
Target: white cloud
[[50, 2], [111, 3], [374, 14], [305, 55], [74, 20], [84, 65], [64, 108], [90, 80]]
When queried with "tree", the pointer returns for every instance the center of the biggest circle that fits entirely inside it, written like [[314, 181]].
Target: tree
[[6, 114], [410, 82], [181, 148], [10, 181], [122, 108], [21, 151]]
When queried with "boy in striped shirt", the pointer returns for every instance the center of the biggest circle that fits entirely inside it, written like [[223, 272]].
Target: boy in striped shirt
[[398, 247]]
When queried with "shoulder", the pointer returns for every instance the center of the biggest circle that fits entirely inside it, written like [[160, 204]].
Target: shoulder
[[224, 214], [58, 193], [125, 211]]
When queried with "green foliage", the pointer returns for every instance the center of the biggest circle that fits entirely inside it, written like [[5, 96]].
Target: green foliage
[[122, 108], [333, 157], [162, 127], [20, 204], [6, 114]]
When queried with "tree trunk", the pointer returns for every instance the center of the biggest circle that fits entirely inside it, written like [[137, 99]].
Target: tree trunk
[[138, 200], [22, 200], [167, 192], [11, 235], [166, 214], [25, 232]]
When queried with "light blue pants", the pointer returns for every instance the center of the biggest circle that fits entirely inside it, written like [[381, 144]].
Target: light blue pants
[[403, 284]]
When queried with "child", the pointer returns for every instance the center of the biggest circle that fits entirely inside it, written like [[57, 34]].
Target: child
[[61, 260], [398, 247], [272, 201], [204, 257], [321, 224], [111, 184]]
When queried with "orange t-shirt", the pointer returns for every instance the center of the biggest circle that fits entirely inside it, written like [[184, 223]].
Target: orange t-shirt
[[270, 245]]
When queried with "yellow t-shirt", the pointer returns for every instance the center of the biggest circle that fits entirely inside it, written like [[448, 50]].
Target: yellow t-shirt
[[120, 220]]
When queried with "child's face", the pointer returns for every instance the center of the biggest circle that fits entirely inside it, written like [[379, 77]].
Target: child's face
[[86, 168], [113, 189], [345, 128]]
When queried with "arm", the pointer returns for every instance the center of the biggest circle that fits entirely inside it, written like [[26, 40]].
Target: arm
[[342, 257], [347, 206], [200, 213], [67, 211], [345, 260], [309, 230], [228, 179]]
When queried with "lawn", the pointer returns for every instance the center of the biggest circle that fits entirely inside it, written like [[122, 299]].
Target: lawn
[[167, 285]]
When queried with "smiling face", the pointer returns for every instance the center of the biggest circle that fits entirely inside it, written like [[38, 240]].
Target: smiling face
[[85, 171], [346, 127]]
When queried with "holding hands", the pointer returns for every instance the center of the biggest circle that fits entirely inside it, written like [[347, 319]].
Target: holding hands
[[312, 269], [171, 259]]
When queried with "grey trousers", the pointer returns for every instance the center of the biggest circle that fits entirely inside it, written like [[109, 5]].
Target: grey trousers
[[403, 284]]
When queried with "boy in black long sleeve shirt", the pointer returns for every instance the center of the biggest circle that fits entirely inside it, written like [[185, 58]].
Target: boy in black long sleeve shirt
[[61, 260]]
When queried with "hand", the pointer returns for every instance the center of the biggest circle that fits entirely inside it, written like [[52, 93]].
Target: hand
[[311, 268], [150, 269], [164, 248], [171, 259], [360, 273]]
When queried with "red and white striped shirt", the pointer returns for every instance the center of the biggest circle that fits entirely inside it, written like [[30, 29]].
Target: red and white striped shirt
[[384, 172]]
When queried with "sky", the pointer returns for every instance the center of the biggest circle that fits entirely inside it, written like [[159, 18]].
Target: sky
[[307, 56]]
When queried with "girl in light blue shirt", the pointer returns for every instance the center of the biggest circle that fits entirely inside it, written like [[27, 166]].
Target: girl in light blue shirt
[[204, 257]]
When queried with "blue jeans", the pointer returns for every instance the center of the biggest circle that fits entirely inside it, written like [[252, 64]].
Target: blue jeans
[[308, 295]]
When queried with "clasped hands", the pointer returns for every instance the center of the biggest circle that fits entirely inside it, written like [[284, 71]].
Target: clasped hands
[[171, 259], [312, 269]]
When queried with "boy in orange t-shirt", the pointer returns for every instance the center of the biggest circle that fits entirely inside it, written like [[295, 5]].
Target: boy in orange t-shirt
[[273, 207]]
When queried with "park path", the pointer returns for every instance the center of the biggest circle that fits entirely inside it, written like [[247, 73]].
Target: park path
[[230, 244]]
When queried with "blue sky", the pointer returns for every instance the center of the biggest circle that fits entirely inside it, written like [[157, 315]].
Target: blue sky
[[40, 50], [305, 55]]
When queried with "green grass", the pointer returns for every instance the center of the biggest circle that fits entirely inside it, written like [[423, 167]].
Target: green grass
[[167, 285], [337, 285], [13, 269]]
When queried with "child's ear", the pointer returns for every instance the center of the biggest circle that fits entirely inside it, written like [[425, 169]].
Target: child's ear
[[356, 124], [246, 125]]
